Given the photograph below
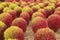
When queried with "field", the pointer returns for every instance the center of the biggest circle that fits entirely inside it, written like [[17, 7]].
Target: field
[[29, 35]]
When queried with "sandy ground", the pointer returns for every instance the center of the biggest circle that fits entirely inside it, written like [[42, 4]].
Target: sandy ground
[[29, 35]]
